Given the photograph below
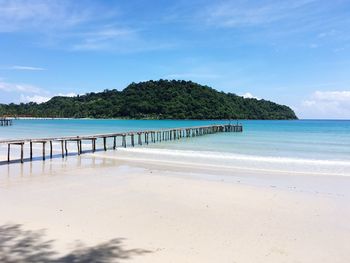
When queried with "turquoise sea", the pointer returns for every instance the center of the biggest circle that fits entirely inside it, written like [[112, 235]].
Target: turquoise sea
[[318, 146]]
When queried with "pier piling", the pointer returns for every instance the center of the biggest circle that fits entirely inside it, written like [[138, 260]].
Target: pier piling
[[5, 122]]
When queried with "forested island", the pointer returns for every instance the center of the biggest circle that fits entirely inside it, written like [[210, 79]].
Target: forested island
[[162, 99]]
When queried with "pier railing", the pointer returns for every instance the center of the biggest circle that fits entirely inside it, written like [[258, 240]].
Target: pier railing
[[135, 138]]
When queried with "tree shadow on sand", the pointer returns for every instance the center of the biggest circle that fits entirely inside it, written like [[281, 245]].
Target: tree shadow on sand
[[19, 246]]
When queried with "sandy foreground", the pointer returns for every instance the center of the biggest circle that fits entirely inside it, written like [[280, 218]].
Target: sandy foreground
[[99, 208]]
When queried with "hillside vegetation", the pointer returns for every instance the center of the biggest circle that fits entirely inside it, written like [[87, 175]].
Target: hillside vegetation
[[161, 99]]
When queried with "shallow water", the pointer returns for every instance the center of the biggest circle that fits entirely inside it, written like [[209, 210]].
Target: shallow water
[[313, 146]]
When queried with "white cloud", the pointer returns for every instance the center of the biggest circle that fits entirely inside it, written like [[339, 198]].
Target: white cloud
[[30, 93], [41, 99], [339, 96], [308, 103], [248, 95], [70, 94], [14, 87], [26, 68], [35, 98], [326, 104]]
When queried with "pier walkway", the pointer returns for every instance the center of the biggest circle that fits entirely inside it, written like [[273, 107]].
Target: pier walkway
[[133, 137]]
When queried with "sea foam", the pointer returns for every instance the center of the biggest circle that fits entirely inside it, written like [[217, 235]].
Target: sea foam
[[236, 161]]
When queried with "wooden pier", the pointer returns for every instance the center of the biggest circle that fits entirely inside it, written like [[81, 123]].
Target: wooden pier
[[134, 138], [5, 122]]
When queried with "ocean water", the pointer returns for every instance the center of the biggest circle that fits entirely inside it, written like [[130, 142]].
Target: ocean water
[[313, 146]]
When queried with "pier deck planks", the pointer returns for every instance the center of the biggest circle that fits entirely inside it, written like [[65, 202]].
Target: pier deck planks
[[149, 136]]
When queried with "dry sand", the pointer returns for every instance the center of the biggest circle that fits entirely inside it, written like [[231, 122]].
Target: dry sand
[[165, 213]]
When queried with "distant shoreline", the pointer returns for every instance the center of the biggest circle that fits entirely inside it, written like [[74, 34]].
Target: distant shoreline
[[146, 119], [150, 119]]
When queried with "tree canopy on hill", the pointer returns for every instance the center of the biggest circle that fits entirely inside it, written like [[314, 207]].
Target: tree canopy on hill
[[162, 99]]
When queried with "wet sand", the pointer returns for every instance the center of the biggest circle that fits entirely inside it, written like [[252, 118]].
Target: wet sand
[[167, 212]]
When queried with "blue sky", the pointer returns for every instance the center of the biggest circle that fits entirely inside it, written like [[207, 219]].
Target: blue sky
[[292, 52]]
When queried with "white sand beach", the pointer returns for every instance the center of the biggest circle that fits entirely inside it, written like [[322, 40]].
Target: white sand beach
[[109, 208], [174, 131]]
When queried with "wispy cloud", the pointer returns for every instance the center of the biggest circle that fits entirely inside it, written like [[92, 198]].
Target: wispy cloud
[[29, 68], [64, 24], [104, 38], [76, 26], [282, 24], [246, 13], [41, 15], [118, 39]]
